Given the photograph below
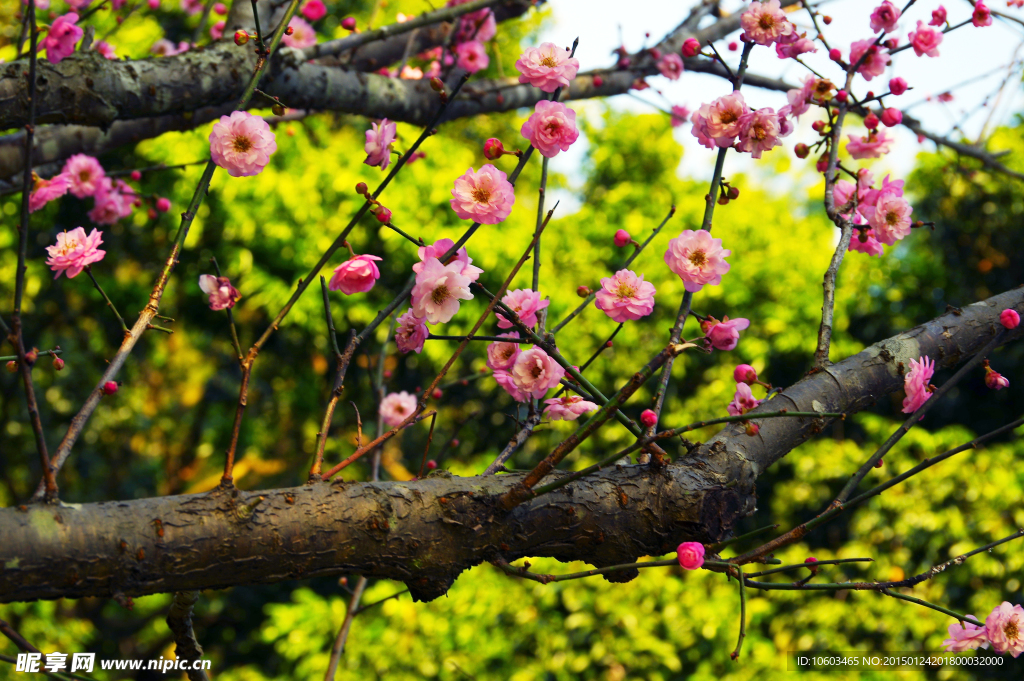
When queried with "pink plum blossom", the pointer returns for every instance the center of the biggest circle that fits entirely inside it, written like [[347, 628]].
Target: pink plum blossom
[[1005, 629], [697, 258], [478, 25], [759, 132], [897, 86], [534, 372], [472, 56], [915, 383], [938, 17], [743, 401], [303, 34], [966, 637], [718, 123], [501, 355], [800, 98], [485, 196], [874, 145], [410, 333], [890, 218], [995, 380], [505, 380], [438, 290], [105, 48], [625, 296], [44, 191], [442, 246], [62, 37], [568, 408], [85, 175], [74, 251], [242, 144], [378, 143], [396, 408], [744, 373], [222, 294], [355, 275], [648, 419], [793, 45], [314, 10], [884, 17], [547, 67], [217, 30], [622, 238], [165, 48], [1010, 319], [765, 22], [192, 7], [671, 66], [690, 554], [875, 61], [982, 15], [551, 128], [925, 40], [679, 115], [526, 303], [865, 242], [725, 334]]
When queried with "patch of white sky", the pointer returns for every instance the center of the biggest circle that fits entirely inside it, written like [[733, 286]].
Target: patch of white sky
[[980, 67]]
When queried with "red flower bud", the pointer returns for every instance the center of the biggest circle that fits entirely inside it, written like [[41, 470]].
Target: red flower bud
[[151, 213], [349, 23], [801, 150], [289, 31], [841, 96], [12, 367], [871, 121], [733, 46], [835, 55], [598, 81], [733, 193], [493, 149], [163, 204], [384, 215], [892, 117], [1010, 319], [136, 175], [752, 429], [691, 47], [608, 344], [109, 388], [436, 394], [622, 238], [897, 86], [58, 364], [361, 188], [744, 373], [241, 37], [826, 19], [878, 464], [32, 356], [436, 85], [648, 418], [431, 465]]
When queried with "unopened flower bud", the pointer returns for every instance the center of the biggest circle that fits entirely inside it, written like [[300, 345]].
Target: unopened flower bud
[[384, 215], [826, 19], [431, 465], [622, 238], [733, 193], [361, 188], [892, 117], [752, 429], [436, 85], [648, 418], [598, 81], [583, 291], [493, 149], [32, 356], [277, 110], [109, 388], [655, 53], [455, 443], [897, 86], [151, 213], [811, 560], [801, 150], [608, 344], [871, 121], [842, 96], [723, 200], [436, 394], [241, 37], [869, 94], [349, 23], [288, 31], [879, 464], [136, 175], [744, 373], [691, 46], [12, 367], [1009, 318], [835, 55], [58, 364], [818, 126], [822, 164], [733, 46]]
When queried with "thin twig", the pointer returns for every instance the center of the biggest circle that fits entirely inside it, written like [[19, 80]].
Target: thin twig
[[124, 327], [743, 615], [339, 641]]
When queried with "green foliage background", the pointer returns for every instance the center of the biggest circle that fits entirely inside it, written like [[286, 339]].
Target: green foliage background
[[167, 428]]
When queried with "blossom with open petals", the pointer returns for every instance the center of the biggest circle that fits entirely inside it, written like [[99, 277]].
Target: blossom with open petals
[[671, 66], [501, 355], [567, 408], [966, 637], [84, 174], [890, 218], [717, 124], [221, 293], [1005, 629], [62, 37], [303, 34], [759, 132], [355, 275], [547, 67], [551, 128], [396, 407], [982, 15], [504, 379], [875, 58], [410, 333], [74, 251], [800, 98], [106, 49], [915, 383], [438, 290], [697, 258], [765, 22], [625, 296], [743, 401], [526, 303], [793, 45], [485, 196], [438, 249], [874, 145], [242, 144], [478, 25], [379, 138], [472, 56], [925, 40], [535, 372], [679, 115], [864, 241], [884, 17], [44, 191], [725, 334]]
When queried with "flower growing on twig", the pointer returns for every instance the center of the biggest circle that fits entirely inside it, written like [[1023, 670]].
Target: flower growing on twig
[[725, 334], [925, 40], [526, 303], [535, 372], [242, 144], [410, 333], [690, 554], [396, 407], [223, 295], [485, 196], [625, 296], [697, 258], [551, 128], [765, 22], [742, 401], [671, 66], [567, 408], [84, 174], [1009, 318], [438, 290], [916, 384], [62, 37], [501, 355], [379, 139], [74, 251], [355, 275], [547, 67], [44, 191]]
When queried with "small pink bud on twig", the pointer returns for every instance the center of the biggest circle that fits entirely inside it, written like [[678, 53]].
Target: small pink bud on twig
[[1009, 318], [842, 96], [826, 19], [241, 37], [744, 373], [583, 291], [835, 55], [384, 215], [12, 367], [494, 149], [648, 418], [897, 86], [691, 46], [892, 117], [58, 364], [361, 188], [163, 204], [801, 150], [622, 238], [109, 388], [32, 356], [436, 394], [878, 464], [136, 175], [752, 429], [349, 23], [598, 81], [733, 193], [431, 465]]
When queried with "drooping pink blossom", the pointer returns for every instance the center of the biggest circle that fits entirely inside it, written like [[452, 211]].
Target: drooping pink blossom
[[501, 355], [995, 380], [625, 296], [679, 115], [690, 554], [1005, 629], [379, 138], [874, 145], [314, 10], [485, 196], [884, 17], [793, 45], [890, 218], [875, 61], [966, 637], [938, 17], [671, 66], [1010, 319], [74, 251], [410, 333], [526, 303], [535, 372], [765, 22], [551, 128], [438, 290], [697, 258], [44, 191], [718, 123], [303, 34], [62, 37], [84, 174], [355, 275], [915, 383], [567, 408], [547, 67], [504, 379], [742, 401], [242, 144], [865, 242], [105, 48], [472, 56], [759, 132], [725, 334], [925, 40], [397, 407], [221, 293], [982, 15]]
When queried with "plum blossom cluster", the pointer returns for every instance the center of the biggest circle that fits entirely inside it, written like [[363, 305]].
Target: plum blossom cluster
[[880, 216], [728, 121], [1003, 631]]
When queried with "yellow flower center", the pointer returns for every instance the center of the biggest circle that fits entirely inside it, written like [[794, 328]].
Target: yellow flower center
[[625, 290], [1011, 630], [892, 218], [241, 144], [549, 62], [766, 22], [729, 116], [760, 133], [440, 294], [698, 259], [84, 175], [481, 195]]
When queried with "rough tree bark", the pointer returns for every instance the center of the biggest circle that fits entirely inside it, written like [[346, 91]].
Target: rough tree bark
[[425, 533]]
